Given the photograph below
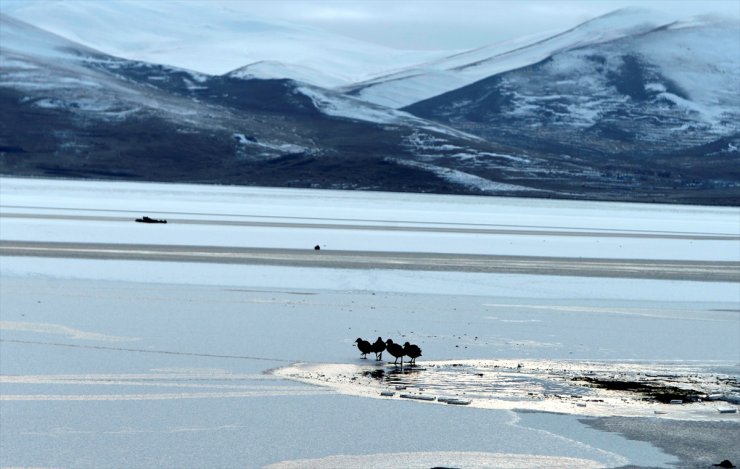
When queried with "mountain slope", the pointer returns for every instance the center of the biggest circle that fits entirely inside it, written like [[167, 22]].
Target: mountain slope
[[420, 82], [598, 121], [68, 110], [666, 90], [663, 104], [215, 38]]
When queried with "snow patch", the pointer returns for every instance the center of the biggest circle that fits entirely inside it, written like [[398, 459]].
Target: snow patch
[[559, 386], [413, 460], [217, 38], [344, 106], [464, 179], [58, 329]]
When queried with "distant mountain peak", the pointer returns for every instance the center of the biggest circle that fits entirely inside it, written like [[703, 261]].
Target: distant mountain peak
[[430, 79], [623, 107], [211, 38]]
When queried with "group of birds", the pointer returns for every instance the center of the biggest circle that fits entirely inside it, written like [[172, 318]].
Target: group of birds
[[398, 351]]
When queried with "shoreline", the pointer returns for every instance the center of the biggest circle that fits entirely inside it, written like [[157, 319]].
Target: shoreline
[[555, 386]]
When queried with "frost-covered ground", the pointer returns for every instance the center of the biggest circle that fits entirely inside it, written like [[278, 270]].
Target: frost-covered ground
[[119, 363]]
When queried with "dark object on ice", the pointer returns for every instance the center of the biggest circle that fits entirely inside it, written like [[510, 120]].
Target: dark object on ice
[[378, 348], [317, 248], [150, 220], [661, 391], [412, 351], [364, 346], [726, 464], [396, 350], [378, 374]]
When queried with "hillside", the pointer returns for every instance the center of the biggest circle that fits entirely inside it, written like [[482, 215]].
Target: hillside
[[627, 106], [68, 110], [216, 38], [664, 101]]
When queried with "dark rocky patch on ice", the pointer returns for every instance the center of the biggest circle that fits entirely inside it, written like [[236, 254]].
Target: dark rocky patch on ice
[[659, 391], [581, 388]]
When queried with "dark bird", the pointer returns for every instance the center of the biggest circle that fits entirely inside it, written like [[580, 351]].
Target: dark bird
[[378, 348], [725, 464], [396, 350], [412, 351], [364, 346]]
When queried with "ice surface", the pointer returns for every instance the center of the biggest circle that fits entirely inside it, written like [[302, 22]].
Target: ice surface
[[142, 364], [557, 386], [363, 221], [192, 387], [439, 459]]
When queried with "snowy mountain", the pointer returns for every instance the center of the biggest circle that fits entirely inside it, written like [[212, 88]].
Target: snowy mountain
[[420, 82], [623, 107], [68, 110], [650, 99], [215, 37]]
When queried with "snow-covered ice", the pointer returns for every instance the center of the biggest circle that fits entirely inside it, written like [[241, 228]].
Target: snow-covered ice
[[296, 219], [109, 363]]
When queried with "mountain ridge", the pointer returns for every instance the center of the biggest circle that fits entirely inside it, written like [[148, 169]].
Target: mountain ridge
[[82, 113], [213, 39], [593, 121]]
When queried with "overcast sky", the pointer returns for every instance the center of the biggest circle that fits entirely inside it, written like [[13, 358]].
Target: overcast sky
[[447, 24]]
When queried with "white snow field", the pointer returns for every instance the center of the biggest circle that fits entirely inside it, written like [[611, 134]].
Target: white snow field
[[109, 362], [217, 38], [680, 47]]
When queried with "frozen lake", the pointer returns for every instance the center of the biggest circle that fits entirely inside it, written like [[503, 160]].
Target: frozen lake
[[111, 362]]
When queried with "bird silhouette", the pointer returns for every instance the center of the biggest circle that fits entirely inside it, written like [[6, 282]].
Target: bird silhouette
[[364, 346], [378, 348], [412, 351], [396, 350]]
